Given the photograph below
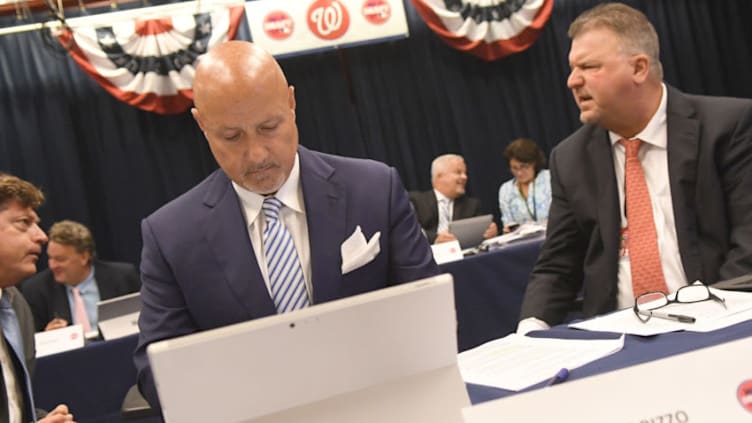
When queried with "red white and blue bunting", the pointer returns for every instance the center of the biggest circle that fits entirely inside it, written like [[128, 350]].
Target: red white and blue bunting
[[489, 29], [149, 64]]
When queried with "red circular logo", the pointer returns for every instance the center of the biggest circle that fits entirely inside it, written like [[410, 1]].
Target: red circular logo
[[377, 11], [744, 394], [328, 19], [278, 25]]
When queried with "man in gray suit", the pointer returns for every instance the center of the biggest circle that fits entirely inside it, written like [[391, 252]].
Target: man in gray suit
[[694, 152], [21, 241], [210, 256]]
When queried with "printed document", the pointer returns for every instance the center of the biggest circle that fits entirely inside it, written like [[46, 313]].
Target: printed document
[[516, 362], [710, 315]]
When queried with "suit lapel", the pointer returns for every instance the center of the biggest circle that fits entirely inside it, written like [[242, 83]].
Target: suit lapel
[[60, 298], [231, 246], [609, 215], [106, 283], [460, 210], [683, 132], [325, 205]]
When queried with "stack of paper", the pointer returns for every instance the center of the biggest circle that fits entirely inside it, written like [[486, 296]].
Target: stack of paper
[[516, 362], [710, 315]]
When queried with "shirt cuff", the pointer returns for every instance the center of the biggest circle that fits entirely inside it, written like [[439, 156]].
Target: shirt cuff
[[530, 324]]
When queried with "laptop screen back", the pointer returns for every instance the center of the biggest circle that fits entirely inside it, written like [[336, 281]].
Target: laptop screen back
[[469, 232], [388, 355], [118, 317]]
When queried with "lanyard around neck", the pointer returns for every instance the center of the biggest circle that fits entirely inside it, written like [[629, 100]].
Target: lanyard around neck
[[534, 212]]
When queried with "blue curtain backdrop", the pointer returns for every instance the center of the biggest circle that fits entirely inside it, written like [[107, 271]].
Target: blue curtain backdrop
[[108, 165]]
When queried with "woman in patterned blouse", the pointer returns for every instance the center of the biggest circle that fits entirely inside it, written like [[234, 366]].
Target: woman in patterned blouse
[[527, 196]]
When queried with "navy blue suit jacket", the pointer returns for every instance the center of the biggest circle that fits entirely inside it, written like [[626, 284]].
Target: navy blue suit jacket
[[199, 270]]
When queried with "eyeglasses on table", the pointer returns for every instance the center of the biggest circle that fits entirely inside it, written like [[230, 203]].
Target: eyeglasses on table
[[646, 304]]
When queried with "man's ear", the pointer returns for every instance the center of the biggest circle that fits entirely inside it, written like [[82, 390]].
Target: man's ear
[[641, 68], [291, 97], [197, 117]]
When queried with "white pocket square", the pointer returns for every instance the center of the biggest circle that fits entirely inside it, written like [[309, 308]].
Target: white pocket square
[[356, 252]]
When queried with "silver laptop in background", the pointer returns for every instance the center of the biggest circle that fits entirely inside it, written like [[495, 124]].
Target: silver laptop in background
[[118, 317], [469, 232], [385, 356]]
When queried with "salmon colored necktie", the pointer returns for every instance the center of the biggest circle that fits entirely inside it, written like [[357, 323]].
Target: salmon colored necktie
[[644, 258]]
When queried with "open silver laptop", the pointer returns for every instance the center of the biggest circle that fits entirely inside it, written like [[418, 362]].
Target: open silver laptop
[[385, 356], [469, 232], [118, 317]]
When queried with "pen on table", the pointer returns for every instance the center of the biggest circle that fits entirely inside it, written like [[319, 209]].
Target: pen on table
[[559, 377], [682, 318]]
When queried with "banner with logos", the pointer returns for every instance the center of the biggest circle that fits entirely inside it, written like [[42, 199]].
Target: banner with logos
[[302, 26]]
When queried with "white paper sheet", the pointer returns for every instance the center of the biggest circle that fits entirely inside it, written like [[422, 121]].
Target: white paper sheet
[[709, 315], [516, 362]]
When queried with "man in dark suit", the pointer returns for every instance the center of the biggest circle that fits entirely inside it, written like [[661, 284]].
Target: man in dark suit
[[694, 152], [447, 201], [73, 267], [21, 241], [209, 257]]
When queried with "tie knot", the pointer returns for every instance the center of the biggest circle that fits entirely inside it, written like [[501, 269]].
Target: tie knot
[[632, 147], [271, 208]]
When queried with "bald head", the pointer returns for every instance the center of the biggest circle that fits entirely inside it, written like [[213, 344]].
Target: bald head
[[235, 66], [246, 109]]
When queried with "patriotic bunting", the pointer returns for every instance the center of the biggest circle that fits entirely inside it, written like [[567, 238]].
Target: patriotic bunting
[[149, 64], [489, 29]]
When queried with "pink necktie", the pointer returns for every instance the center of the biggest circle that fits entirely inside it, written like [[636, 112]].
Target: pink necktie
[[644, 258], [79, 314]]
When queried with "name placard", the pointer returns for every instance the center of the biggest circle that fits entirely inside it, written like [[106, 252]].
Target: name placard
[[59, 340], [447, 251], [713, 384]]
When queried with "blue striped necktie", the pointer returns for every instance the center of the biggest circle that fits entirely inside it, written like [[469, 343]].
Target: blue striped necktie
[[12, 333], [444, 216], [285, 273]]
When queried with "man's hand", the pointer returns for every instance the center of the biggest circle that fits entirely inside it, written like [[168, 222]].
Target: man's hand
[[444, 237], [56, 323], [491, 232], [59, 415]]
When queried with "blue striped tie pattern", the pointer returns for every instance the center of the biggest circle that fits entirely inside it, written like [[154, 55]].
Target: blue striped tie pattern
[[285, 273], [444, 216]]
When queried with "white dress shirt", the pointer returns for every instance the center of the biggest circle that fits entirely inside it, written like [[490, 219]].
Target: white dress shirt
[[293, 216], [439, 198], [654, 159]]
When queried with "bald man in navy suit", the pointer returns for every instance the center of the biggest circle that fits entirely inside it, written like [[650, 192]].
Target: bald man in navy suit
[[203, 263]]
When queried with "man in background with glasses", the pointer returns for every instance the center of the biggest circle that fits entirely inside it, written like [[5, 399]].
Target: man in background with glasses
[[652, 192]]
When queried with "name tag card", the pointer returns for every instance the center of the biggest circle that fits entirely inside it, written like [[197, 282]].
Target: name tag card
[[59, 340], [713, 384], [446, 252]]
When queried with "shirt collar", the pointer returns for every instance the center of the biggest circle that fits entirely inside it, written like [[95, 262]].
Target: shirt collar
[[651, 133], [440, 196], [289, 194], [86, 283]]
